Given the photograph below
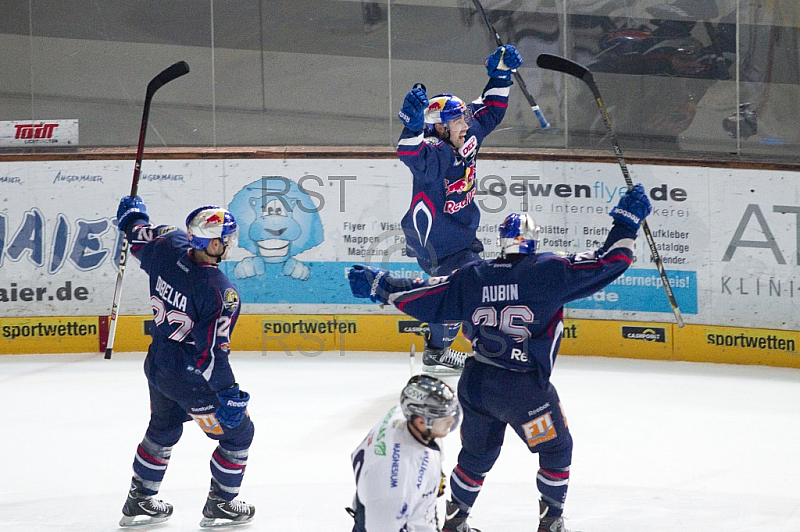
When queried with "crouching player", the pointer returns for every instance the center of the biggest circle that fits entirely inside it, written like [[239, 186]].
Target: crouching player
[[398, 466]]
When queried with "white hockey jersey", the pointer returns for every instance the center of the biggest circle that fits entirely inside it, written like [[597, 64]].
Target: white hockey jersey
[[397, 477]]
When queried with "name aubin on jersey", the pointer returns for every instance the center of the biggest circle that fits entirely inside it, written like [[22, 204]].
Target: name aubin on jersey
[[500, 292]]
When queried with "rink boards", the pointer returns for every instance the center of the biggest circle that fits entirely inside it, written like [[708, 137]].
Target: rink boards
[[309, 335], [728, 238]]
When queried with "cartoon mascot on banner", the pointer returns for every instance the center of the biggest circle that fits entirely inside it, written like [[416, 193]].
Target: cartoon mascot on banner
[[277, 221]]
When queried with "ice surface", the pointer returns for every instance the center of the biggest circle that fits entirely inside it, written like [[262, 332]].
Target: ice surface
[[659, 446]]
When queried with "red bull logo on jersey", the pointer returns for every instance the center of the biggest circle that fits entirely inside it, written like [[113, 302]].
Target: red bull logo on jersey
[[461, 185], [465, 185], [452, 207]]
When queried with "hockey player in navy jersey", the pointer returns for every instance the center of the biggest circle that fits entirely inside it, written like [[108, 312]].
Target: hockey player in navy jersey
[[514, 308], [195, 308], [398, 466], [439, 144]]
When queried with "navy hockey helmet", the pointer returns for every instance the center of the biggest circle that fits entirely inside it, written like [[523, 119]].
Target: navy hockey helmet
[[443, 108], [431, 399], [518, 234], [209, 222]]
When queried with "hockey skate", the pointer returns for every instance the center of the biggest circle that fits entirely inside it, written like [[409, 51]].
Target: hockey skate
[[441, 360], [551, 523], [453, 523], [219, 512], [143, 510]]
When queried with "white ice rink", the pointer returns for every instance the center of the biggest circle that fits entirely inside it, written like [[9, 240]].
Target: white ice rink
[[659, 446]]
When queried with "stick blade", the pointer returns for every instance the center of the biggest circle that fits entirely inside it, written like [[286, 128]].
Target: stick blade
[[165, 76], [562, 64]]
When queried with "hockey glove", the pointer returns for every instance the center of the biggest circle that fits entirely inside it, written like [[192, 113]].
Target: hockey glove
[[412, 114], [366, 281], [503, 61], [232, 406], [632, 209], [129, 210]]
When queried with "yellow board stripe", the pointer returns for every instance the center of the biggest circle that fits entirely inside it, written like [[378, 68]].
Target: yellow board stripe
[[310, 334]]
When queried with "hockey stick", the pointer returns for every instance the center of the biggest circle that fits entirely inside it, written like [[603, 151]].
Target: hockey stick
[[168, 74], [561, 64], [521, 82]]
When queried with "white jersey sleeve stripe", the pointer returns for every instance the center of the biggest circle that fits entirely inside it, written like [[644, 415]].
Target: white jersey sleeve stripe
[[411, 141]]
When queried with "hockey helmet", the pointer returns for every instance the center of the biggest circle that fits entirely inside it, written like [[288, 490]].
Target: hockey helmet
[[209, 222], [443, 108], [432, 400], [518, 234]]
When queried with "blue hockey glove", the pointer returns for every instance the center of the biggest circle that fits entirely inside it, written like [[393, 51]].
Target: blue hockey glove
[[366, 281], [129, 210], [412, 114], [502, 61], [232, 406], [632, 209]]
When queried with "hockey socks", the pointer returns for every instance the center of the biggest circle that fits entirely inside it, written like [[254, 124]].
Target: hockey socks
[[465, 487], [150, 464], [552, 484], [227, 470]]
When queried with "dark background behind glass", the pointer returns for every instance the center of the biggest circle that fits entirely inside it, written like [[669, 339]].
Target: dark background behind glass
[[334, 72]]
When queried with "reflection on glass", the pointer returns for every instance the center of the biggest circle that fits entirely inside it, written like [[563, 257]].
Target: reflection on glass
[[680, 77]]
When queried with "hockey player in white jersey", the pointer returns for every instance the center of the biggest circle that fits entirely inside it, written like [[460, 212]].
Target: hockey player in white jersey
[[398, 466]]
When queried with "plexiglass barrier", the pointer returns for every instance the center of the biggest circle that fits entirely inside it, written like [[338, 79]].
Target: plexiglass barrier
[[679, 77]]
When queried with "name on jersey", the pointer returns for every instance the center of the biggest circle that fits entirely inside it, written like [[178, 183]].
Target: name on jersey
[[170, 295], [423, 467], [395, 471], [500, 292]]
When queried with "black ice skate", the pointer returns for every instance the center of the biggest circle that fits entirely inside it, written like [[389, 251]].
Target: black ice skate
[[219, 512], [143, 510], [551, 523], [441, 361], [453, 523]]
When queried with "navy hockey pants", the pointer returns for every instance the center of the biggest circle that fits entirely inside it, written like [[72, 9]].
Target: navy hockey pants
[[493, 397], [174, 400], [444, 334]]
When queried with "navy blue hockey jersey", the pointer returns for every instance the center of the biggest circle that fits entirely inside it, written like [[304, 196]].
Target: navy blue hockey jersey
[[515, 307], [443, 217], [195, 307]]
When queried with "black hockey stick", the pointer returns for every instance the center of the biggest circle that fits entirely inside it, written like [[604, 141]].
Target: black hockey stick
[[521, 82], [168, 74], [561, 64]]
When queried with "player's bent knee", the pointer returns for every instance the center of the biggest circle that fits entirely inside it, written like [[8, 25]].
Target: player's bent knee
[[480, 463], [165, 437], [558, 455], [238, 438]]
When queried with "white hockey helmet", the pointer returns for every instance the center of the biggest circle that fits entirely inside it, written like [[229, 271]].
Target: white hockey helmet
[[430, 399], [209, 222], [518, 234]]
